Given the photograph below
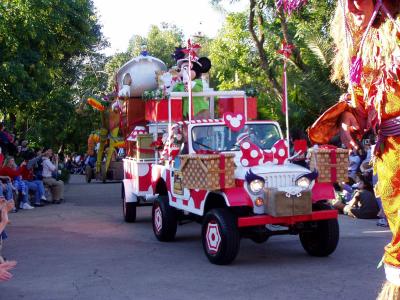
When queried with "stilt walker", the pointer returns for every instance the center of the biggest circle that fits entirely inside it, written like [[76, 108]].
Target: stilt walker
[[367, 37]]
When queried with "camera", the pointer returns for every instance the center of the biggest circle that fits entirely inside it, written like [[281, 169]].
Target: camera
[[366, 142]]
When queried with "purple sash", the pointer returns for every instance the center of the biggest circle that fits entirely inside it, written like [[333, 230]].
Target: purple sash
[[387, 128]]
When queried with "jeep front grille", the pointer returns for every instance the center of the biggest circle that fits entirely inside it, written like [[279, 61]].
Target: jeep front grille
[[280, 180]]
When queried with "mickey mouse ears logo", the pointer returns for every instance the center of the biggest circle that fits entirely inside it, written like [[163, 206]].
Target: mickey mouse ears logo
[[235, 122]]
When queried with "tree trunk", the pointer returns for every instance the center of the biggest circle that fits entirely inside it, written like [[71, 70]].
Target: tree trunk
[[259, 40]]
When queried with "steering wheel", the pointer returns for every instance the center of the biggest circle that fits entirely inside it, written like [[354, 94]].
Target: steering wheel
[[200, 144]]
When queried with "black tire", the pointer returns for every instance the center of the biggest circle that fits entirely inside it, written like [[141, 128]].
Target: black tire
[[323, 236], [89, 174], [224, 233], [129, 210], [164, 219]]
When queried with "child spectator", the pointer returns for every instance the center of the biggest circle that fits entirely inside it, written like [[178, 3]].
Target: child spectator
[[363, 204], [33, 184], [354, 164]]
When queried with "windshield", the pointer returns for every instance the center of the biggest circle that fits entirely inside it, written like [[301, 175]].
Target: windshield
[[221, 138]]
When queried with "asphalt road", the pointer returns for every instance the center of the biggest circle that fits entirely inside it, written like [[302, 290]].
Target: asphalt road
[[82, 249]]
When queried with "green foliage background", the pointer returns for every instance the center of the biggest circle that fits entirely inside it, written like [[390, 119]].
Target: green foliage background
[[51, 61]]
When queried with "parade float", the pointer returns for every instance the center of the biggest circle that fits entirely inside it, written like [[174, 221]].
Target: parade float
[[195, 154], [120, 112]]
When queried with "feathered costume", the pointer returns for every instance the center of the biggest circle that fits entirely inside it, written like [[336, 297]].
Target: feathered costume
[[374, 99]]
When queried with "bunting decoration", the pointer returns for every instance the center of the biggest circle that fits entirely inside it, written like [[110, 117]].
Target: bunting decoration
[[192, 50], [289, 6]]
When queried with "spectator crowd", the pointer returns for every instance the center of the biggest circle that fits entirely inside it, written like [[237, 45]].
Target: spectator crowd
[[29, 178], [355, 197]]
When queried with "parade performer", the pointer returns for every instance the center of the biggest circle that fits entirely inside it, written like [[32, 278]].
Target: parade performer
[[192, 73], [367, 37], [110, 111]]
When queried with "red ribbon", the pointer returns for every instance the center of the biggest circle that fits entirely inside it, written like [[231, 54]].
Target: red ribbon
[[222, 170], [333, 168], [143, 150], [191, 50]]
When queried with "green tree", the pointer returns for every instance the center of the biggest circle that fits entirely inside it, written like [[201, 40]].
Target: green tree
[[160, 42], [45, 46], [245, 53]]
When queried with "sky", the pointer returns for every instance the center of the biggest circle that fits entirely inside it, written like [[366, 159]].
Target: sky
[[121, 19]]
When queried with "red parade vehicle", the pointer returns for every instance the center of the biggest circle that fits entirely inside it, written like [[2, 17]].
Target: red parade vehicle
[[225, 170]]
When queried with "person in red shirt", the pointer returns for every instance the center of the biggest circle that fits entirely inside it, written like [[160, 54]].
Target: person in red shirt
[[10, 170], [26, 169]]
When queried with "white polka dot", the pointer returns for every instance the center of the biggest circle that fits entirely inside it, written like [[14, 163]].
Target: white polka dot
[[245, 162], [143, 169], [229, 117], [273, 150], [281, 152], [246, 145], [254, 153], [239, 117], [275, 161]]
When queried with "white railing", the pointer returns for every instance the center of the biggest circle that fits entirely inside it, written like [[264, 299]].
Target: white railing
[[210, 94]]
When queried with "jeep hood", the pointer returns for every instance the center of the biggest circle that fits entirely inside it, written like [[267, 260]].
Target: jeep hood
[[240, 171]]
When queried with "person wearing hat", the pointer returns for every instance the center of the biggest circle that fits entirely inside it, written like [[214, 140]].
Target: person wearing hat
[[192, 74], [367, 57]]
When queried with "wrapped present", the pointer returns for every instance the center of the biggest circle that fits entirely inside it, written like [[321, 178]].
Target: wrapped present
[[208, 171], [157, 110], [331, 163], [144, 148], [236, 105], [283, 204]]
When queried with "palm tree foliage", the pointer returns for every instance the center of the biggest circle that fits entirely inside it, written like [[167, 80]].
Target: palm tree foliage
[[245, 54]]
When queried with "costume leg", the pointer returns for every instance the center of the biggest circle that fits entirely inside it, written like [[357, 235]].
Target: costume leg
[[388, 189], [113, 139], [103, 139]]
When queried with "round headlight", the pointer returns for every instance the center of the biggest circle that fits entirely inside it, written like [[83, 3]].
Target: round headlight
[[256, 186], [303, 182]]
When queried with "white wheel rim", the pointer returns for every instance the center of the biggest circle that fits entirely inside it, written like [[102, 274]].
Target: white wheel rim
[[213, 237], [158, 219]]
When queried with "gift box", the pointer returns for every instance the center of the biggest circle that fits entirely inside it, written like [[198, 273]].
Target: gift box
[[207, 171], [236, 105], [144, 149], [157, 110], [331, 163], [283, 204]]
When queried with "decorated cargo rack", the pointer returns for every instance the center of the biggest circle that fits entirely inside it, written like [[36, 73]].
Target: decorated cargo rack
[[331, 163]]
